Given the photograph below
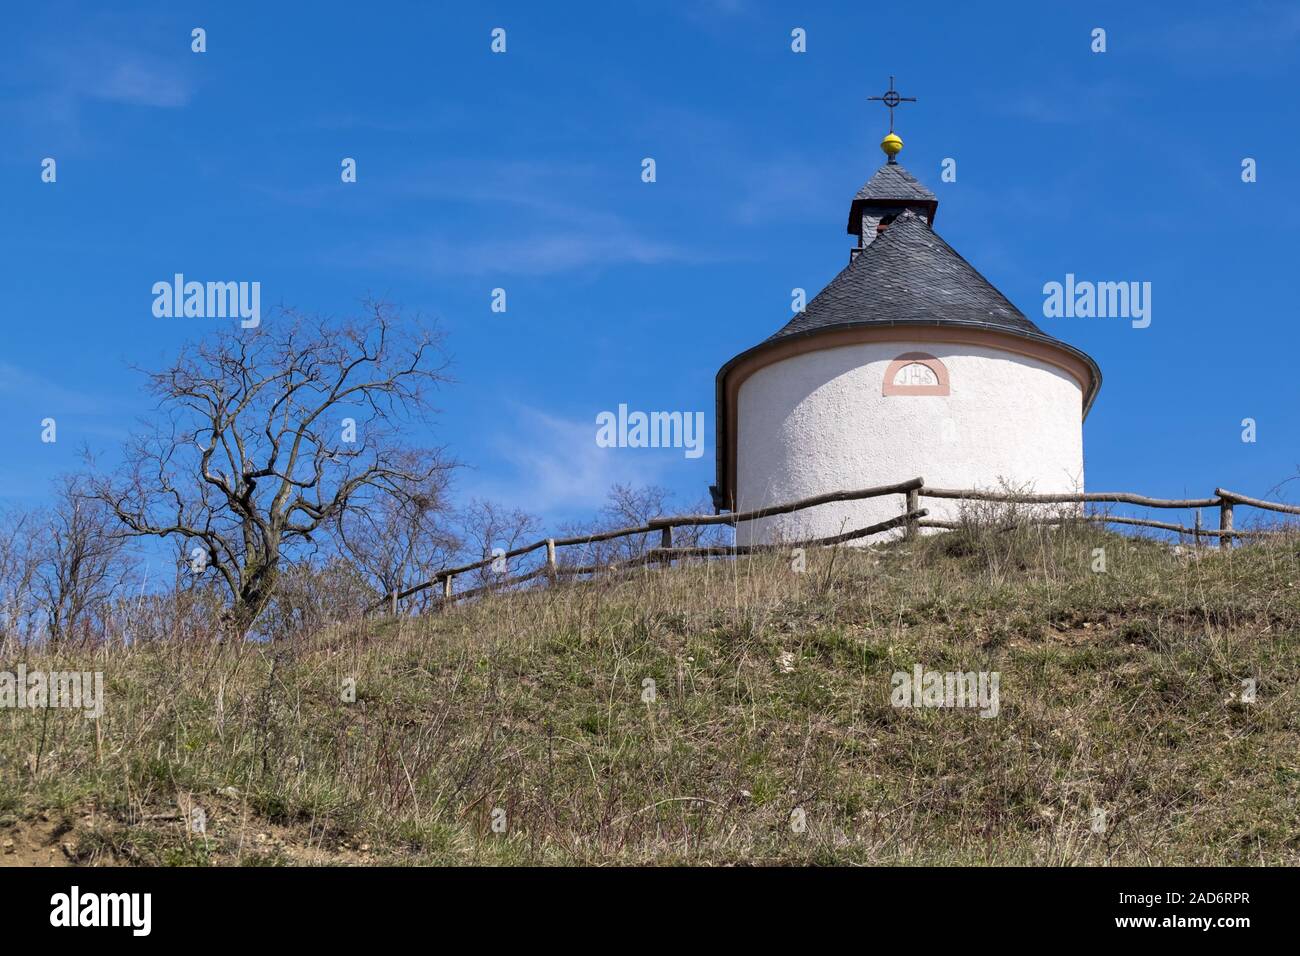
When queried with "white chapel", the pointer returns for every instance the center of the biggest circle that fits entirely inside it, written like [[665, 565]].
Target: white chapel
[[909, 363]]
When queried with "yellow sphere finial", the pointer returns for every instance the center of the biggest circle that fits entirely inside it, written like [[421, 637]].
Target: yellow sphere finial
[[892, 145]]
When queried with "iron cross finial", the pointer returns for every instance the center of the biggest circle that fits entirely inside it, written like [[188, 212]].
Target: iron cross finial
[[892, 99]]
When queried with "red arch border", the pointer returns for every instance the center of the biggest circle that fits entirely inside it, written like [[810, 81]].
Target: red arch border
[[916, 358]]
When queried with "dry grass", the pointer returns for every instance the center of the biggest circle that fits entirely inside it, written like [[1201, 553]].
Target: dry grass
[[1119, 691]]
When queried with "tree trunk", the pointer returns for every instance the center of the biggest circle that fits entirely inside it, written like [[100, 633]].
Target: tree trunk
[[254, 595]]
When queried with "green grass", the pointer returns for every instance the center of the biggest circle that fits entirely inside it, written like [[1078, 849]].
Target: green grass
[[1119, 691]]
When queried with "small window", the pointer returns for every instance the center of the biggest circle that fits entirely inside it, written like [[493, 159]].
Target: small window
[[916, 373]]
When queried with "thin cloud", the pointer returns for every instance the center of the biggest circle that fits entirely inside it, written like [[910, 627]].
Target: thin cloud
[[558, 469], [788, 188], [1260, 38], [536, 255], [1065, 103], [560, 218], [114, 72], [36, 391], [141, 83]]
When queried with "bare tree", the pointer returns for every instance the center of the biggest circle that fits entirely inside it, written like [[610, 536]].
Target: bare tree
[[19, 565], [401, 541], [310, 595], [487, 527], [628, 507], [268, 436], [82, 560]]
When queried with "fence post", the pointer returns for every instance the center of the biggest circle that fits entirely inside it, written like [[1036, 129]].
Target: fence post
[[550, 558], [446, 589], [665, 542], [394, 602], [912, 503], [1225, 522], [1196, 534]]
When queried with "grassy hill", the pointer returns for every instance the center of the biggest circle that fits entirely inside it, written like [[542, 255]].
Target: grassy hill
[[1119, 691]]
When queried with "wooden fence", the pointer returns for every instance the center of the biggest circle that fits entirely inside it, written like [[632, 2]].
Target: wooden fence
[[911, 518]]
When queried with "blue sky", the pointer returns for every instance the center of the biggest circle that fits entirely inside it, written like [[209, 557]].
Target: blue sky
[[522, 171]]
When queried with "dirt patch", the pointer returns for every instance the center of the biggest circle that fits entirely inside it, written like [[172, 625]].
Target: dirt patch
[[44, 841], [208, 831]]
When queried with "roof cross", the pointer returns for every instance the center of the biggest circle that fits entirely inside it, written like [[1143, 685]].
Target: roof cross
[[892, 99]]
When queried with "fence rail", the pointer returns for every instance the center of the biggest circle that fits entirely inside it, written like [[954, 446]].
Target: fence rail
[[911, 518]]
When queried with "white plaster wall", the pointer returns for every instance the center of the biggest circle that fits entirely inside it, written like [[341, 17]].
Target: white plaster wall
[[818, 422]]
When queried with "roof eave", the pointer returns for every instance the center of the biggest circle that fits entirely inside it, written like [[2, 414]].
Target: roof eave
[[931, 207]]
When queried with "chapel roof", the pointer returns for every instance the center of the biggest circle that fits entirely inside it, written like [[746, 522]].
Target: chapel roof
[[909, 274]]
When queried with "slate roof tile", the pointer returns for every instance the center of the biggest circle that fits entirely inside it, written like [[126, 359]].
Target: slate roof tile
[[891, 182], [909, 274]]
